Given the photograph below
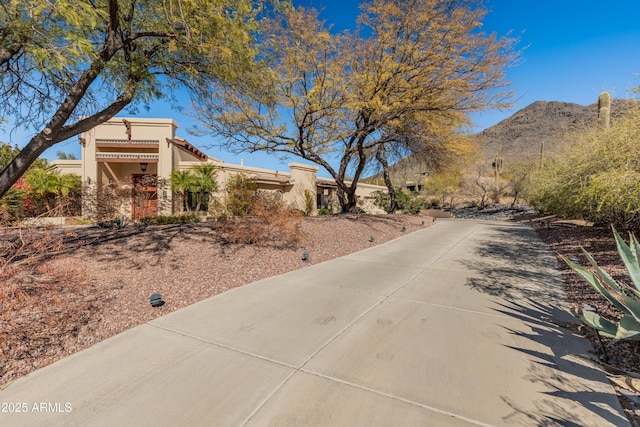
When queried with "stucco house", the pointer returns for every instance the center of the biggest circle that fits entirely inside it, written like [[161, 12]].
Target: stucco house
[[141, 154]]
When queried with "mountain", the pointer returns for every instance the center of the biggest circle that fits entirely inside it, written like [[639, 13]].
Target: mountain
[[519, 136]]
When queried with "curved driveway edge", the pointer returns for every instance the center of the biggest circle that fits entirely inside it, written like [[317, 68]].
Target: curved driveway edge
[[447, 326]]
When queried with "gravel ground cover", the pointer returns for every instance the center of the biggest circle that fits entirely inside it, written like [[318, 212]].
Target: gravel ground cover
[[102, 285], [621, 360]]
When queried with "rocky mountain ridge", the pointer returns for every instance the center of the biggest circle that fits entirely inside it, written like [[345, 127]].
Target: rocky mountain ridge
[[520, 136]]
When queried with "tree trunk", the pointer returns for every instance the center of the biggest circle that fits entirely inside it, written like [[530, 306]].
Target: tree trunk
[[347, 198], [393, 198], [22, 161]]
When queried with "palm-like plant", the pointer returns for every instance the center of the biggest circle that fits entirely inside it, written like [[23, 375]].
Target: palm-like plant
[[63, 185], [182, 182], [42, 185], [48, 185], [625, 297], [204, 181]]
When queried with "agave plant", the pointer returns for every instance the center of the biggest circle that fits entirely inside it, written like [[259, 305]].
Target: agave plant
[[625, 297]]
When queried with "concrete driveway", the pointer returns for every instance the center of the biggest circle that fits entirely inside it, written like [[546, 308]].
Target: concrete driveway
[[447, 326]]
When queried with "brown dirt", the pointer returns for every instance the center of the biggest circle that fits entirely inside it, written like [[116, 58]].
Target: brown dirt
[[621, 360], [101, 285]]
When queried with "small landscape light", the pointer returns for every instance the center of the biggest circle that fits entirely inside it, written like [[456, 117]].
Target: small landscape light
[[156, 300], [404, 228], [422, 223], [372, 238], [305, 256]]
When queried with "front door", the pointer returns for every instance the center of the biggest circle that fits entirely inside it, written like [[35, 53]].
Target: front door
[[145, 196]]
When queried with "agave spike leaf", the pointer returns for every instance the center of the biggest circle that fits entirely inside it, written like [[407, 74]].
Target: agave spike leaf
[[630, 260], [631, 304], [635, 292], [606, 328], [601, 274], [635, 251], [593, 280], [628, 329], [635, 246]]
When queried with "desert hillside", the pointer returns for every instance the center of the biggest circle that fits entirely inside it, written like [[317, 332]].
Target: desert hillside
[[519, 136]]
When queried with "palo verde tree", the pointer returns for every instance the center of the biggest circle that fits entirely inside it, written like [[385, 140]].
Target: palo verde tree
[[67, 66], [400, 83]]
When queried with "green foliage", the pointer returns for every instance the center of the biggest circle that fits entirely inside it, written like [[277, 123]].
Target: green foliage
[[402, 82], [170, 219], [595, 178], [65, 156], [407, 202], [7, 153], [204, 182], [382, 200], [308, 203], [68, 66], [241, 191], [200, 180], [181, 182], [40, 189], [518, 177], [325, 211], [14, 203], [52, 188], [443, 185], [624, 297]]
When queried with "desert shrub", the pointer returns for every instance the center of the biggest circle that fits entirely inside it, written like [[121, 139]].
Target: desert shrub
[[269, 222], [308, 203], [407, 202], [624, 297], [170, 219], [382, 200], [15, 203], [596, 177], [24, 247], [325, 211], [41, 307], [410, 203], [442, 186], [518, 177], [241, 192], [40, 191]]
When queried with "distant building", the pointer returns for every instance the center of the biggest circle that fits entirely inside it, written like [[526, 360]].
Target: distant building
[[141, 154]]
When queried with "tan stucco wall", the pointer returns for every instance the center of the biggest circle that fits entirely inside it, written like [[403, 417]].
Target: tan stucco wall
[[68, 167], [305, 179], [292, 184], [364, 192]]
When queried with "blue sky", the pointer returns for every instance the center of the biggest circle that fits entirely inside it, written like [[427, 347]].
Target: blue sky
[[571, 51]]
